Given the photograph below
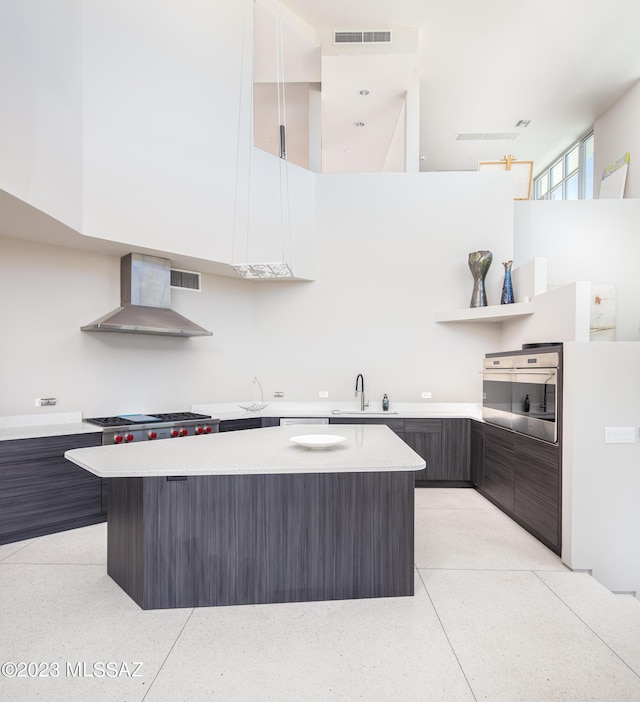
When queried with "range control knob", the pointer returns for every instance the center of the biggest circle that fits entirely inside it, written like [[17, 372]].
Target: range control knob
[[183, 432], [117, 439], [129, 437], [207, 430], [199, 430], [153, 435], [175, 432]]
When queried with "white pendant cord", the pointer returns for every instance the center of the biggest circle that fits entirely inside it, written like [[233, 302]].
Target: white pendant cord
[[285, 214], [260, 269]]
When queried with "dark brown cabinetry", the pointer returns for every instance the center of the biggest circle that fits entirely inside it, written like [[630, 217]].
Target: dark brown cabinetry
[[443, 443], [537, 489], [41, 492], [456, 449], [425, 438], [476, 457], [396, 425], [521, 476], [248, 423], [238, 424], [498, 466]]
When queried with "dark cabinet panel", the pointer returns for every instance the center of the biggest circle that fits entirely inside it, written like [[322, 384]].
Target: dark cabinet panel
[[270, 422], [455, 448], [538, 488], [523, 477], [16, 450], [41, 492], [498, 473], [476, 458], [396, 425], [104, 497], [444, 445], [238, 424], [425, 438]]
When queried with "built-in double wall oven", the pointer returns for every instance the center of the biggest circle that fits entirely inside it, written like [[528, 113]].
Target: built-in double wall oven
[[522, 391]]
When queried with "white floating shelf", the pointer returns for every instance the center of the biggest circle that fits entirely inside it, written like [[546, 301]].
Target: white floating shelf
[[491, 313]]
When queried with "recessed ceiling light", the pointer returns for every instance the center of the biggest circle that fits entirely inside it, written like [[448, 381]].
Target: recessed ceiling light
[[364, 91], [358, 124], [523, 123]]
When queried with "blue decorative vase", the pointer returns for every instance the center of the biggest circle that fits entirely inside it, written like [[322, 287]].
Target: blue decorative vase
[[479, 262], [507, 287]]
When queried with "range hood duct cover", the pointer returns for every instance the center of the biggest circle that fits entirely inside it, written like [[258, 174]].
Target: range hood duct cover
[[145, 296]]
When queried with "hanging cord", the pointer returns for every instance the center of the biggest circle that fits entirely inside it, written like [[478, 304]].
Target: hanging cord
[[285, 210]]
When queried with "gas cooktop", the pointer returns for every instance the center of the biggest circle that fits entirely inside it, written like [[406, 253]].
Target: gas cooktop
[[127, 420]]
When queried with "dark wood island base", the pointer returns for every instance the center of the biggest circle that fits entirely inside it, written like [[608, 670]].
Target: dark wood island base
[[210, 540]]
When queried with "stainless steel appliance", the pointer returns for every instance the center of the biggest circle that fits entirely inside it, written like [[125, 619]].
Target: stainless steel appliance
[[145, 295], [127, 428], [521, 391]]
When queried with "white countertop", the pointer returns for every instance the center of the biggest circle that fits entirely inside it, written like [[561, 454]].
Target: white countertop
[[399, 410], [62, 423], [33, 426], [368, 448]]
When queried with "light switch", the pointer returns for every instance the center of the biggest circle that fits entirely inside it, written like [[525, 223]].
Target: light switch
[[619, 435]]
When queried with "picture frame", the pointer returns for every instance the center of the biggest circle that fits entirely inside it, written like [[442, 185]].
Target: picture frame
[[522, 174]]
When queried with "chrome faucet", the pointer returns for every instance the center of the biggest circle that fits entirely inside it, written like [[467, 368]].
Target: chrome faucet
[[360, 379]]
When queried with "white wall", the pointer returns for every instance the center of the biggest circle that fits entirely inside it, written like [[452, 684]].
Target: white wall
[[41, 114], [275, 214], [615, 133], [586, 240], [161, 91], [560, 315], [48, 292], [392, 249], [601, 482]]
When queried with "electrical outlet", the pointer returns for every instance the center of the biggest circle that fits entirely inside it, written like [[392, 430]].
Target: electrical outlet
[[278, 393], [323, 393], [619, 435], [45, 401], [426, 395]]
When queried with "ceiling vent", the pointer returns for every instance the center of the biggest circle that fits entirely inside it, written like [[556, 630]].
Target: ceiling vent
[[185, 280], [487, 136], [363, 37]]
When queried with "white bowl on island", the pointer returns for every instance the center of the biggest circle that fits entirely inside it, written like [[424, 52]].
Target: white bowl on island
[[317, 441]]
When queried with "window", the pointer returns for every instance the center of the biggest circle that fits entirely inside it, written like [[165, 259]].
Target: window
[[570, 176]]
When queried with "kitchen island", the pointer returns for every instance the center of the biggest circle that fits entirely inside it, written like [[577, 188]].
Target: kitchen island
[[249, 517]]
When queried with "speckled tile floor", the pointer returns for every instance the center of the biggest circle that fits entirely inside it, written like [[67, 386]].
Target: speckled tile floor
[[496, 617]]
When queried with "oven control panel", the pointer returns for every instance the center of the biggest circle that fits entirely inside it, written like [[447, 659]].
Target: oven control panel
[[127, 435]]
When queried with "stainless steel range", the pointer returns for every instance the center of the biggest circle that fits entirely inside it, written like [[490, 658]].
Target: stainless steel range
[[127, 428]]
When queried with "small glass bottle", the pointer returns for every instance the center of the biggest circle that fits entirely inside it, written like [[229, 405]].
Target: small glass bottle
[[385, 403]]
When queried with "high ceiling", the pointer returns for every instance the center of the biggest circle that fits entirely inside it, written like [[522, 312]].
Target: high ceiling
[[483, 66]]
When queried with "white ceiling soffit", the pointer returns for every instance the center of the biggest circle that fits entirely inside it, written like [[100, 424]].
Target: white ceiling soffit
[[485, 66]]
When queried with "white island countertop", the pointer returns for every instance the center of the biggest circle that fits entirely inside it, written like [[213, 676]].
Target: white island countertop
[[367, 448]]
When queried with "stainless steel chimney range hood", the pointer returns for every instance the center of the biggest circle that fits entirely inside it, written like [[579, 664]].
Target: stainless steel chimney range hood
[[145, 296]]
